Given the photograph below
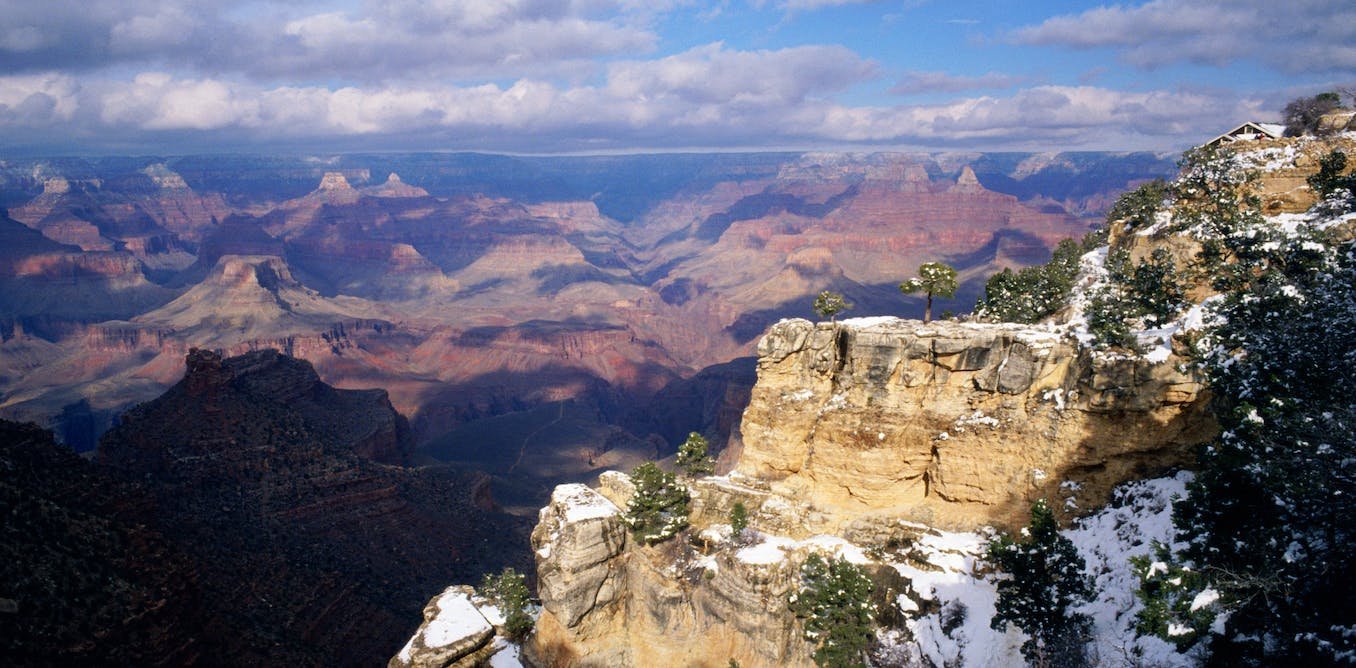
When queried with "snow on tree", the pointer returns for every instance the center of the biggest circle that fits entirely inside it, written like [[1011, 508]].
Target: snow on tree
[[834, 602], [739, 519], [508, 591], [934, 278], [693, 458], [1270, 521], [1042, 579], [830, 304], [1032, 293], [658, 508]]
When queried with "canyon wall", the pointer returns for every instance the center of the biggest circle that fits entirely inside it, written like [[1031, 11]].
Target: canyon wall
[[958, 425], [861, 438]]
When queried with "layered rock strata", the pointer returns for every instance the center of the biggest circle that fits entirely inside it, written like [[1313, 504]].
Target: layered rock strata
[[455, 634], [957, 425], [609, 601], [865, 433]]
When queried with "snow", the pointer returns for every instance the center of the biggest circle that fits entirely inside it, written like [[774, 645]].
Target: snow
[[1056, 395], [835, 403], [491, 612], [837, 547], [872, 321], [457, 619], [506, 656], [581, 503], [716, 533], [1141, 513], [799, 395], [770, 551], [955, 586], [1203, 599], [976, 418]]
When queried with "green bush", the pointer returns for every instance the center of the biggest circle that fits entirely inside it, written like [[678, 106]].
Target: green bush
[[1032, 293], [830, 304], [934, 278], [739, 518], [1138, 208], [1169, 592], [1336, 192]]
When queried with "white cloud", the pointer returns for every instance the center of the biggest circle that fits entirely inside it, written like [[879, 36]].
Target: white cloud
[[714, 74], [810, 5], [37, 100], [1295, 36], [1064, 115], [710, 96]]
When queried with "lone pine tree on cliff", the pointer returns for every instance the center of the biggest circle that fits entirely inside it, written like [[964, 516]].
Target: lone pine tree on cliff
[[934, 278], [830, 304], [693, 458]]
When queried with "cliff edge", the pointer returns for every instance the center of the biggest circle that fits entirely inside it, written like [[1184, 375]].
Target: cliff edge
[[958, 425]]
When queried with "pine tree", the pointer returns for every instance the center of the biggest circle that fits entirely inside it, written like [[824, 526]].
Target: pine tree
[[1271, 518], [830, 304], [1043, 581], [1336, 191], [1032, 293], [1139, 208], [934, 278], [834, 600], [693, 458], [508, 591], [658, 508], [739, 518]]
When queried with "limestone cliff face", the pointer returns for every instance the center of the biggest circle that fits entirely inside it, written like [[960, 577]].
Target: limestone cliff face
[[957, 425]]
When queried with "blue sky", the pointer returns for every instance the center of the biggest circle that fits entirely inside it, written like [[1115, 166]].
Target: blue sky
[[582, 76]]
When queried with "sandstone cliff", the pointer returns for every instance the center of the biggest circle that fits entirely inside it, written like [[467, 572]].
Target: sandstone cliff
[[957, 425], [860, 437]]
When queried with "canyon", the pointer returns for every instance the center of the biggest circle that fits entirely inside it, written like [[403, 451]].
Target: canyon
[[542, 319], [250, 514]]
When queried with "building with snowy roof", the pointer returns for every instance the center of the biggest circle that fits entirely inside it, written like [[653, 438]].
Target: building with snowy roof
[[1250, 131]]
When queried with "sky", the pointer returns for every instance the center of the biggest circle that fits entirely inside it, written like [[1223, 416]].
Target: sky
[[173, 77]]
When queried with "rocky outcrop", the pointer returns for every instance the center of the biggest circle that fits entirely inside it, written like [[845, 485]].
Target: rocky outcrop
[[454, 634], [394, 187], [1284, 165], [957, 425], [860, 433], [608, 601]]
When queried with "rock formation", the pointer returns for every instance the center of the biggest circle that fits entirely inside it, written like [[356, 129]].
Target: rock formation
[[860, 433], [455, 634], [493, 291], [957, 425], [306, 548]]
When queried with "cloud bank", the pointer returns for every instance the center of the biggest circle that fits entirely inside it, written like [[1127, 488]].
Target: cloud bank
[[592, 75]]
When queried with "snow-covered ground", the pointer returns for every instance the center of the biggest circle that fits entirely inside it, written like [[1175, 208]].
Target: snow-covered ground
[[958, 634]]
